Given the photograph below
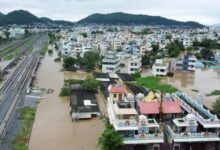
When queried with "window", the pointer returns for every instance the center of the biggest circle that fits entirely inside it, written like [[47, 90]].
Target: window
[[115, 95]]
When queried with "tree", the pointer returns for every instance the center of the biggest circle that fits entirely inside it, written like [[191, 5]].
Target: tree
[[216, 106], [136, 75], [168, 36], [68, 62], [65, 91], [206, 54], [110, 139], [84, 34], [155, 47], [90, 84], [146, 60], [90, 60], [175, 48]]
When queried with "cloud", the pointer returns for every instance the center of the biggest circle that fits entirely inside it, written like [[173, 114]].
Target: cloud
[[203, 11]]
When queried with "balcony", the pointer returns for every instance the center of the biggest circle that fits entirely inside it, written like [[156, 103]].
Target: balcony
[[125, 124], [202, 115], [192, 137], [144, 139]]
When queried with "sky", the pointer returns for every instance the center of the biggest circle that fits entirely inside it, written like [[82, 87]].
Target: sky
[[204, 11]]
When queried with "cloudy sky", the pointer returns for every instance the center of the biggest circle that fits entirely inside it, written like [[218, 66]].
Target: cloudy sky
[[203, 11]]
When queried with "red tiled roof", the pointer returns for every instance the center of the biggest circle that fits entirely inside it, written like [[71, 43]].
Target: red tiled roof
[[116, 89], [171, 107], [153, 107], [149, 107]]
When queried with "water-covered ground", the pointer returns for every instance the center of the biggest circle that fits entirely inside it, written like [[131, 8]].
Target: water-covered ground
[[53, 128]]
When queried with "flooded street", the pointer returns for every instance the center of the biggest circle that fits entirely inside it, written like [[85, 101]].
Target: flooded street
[[204, 80], [53, 128]]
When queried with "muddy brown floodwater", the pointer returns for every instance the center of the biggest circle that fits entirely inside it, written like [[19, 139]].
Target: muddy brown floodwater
[[53, 128], [204, 80]]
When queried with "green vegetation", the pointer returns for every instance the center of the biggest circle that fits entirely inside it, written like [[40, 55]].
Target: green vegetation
[[136, 75], [84, 34], [207, 43], [90, 84], [27, 117], [110, 139], [214, 93], [145, 31], [97, 32], [50, 51], [206, 54], [9, 56], [52, 38], [58, 59], [90, 60], [65, 91], [128, 19], [174, 49], [44, 49], [154, 84], [68, 82], [155, 47], [21, 17], [168, 36], [216, 106], [68, 62], [195, 90]]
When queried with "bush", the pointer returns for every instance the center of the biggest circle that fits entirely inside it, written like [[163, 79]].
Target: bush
[[69, 62], [68, 82], [216, 106], [65, 91], [58, 59], [136, 75], [110, 139], [27, 117], [90, 84], [50, 51]]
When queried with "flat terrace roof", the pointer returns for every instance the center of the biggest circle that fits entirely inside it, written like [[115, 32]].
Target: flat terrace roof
[[104, 87], [79, 99], [135, 89], [203, 112], [125, 77], [101, 75]]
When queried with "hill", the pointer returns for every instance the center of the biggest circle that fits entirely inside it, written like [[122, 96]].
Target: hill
[[127, 19], [22, 17]]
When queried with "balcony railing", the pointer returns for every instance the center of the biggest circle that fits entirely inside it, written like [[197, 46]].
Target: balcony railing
[[188, 136], [197, 110], [126, 123], [145, 138]]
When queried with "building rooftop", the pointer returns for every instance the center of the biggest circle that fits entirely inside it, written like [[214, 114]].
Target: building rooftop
[[153, 107], [116, 89]]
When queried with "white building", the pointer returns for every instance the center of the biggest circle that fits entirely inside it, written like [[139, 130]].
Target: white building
[[111, 63], [160, 67], [133, 127], [16, 32], [116, 44], [130, 63], [186, 62]]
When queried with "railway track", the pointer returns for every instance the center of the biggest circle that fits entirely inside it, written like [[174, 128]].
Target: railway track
[[15, 88]]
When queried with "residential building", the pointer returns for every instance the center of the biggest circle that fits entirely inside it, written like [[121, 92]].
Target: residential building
[[198, 125], [135, 128], [83, 104], [185, 62], [160, 67], [111, 63]]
